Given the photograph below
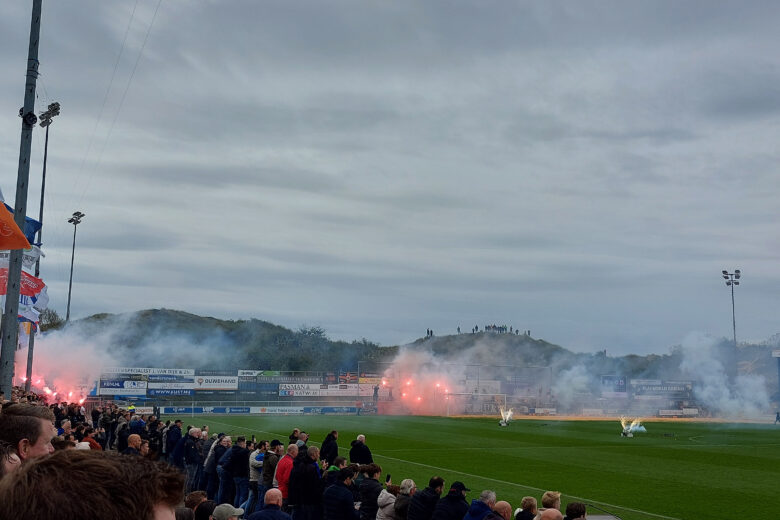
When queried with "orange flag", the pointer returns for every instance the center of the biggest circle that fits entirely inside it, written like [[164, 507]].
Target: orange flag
[[11, 237]]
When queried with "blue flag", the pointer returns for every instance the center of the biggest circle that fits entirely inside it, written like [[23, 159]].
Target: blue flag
[[31, 226]]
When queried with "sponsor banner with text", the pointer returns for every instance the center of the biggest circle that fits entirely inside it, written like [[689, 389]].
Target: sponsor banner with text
[[147, 371], [216, 383]]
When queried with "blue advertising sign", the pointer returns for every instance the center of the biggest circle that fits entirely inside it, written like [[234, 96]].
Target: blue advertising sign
[[161, 392]]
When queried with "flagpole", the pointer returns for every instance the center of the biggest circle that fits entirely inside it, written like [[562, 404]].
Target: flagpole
[[10, 324]]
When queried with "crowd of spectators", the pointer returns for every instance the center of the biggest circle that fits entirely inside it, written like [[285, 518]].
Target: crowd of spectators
[[137, 466]]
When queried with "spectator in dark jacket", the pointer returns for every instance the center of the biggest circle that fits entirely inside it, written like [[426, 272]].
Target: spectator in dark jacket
[[337, 500], [360, 454], [501, 511], [226, 491], [481, 507], [370, 489], [333, 471], [272, 509], [193, 460], [401, 506], [174, 434], [237, 466], [330, 448], [453, 505], [423, 502], [528, 509], [210, 466], [270, 461], [177, 456], [305, 486]]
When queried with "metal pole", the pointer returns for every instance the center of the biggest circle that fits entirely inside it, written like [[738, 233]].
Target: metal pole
[[31, 345], [733, 316], [70, 283], [10, 325]]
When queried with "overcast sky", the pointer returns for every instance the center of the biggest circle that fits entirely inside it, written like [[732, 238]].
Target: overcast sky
[[584, 170]]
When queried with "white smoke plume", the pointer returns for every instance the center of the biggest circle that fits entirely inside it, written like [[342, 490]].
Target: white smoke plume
[[741, 396], [571, 383], [69, 361]]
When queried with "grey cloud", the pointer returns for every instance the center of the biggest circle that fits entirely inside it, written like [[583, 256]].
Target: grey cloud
[[380, 168]]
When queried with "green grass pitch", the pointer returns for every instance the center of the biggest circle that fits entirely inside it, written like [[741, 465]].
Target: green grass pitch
[[677, 470]]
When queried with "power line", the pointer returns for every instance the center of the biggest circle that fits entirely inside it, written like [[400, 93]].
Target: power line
[[121, 101], [108, 89]]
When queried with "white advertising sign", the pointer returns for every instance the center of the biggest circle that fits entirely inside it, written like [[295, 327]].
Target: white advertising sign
[[216, 383], [136, 370], [175, 385], [295, 410]]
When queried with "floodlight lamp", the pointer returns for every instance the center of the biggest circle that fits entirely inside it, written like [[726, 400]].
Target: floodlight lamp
[[728, 283], [725, 272], [726, 276], [736, 283]]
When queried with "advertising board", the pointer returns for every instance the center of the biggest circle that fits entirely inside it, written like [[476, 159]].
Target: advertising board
[[216, 383], [147, 371]]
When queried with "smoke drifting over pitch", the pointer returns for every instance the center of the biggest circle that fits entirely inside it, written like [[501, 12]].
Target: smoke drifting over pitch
[[572, 380]]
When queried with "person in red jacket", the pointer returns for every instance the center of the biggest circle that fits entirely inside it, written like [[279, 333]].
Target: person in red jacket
[[283, 469], [89, 436]]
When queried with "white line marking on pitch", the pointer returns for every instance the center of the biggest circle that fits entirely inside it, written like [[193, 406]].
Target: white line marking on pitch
[[476, 476]]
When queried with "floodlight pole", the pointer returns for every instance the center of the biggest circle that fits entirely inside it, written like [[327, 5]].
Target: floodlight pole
[[10, 324], [732, 279], [46, 120], [75, 220]]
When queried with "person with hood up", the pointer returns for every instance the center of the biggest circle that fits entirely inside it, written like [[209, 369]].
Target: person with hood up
[[330, 448], [386, 502]]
